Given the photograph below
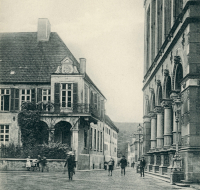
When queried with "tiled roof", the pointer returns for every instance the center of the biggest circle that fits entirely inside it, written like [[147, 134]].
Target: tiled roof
[[109, 122], [28, 60]]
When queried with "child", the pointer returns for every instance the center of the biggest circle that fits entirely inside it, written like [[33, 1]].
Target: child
[[110, 166], [28, 163]]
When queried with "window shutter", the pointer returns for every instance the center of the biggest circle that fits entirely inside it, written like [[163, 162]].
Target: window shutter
[[102, 109], [16, 99], [57, 98], [91, 98], [12, 107], [33, 95], [75, 93], [39, 95]]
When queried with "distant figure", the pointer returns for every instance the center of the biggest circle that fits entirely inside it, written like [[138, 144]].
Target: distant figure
[[43, 163], [133, 164], [28, 163], [71, 164], [123, 163], [110, 166], [38, 162], [142, 166]]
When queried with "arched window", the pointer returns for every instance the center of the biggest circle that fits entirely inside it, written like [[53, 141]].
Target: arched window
[[158, 93], [146, 108], [167, 84], [152, 100]]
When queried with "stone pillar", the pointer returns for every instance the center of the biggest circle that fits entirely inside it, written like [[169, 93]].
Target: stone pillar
[[167, 123], [75, 142], [150, 162], [160, 126], [153, 131], [51, 135], [146, 134], [164, 163], [156, 162]]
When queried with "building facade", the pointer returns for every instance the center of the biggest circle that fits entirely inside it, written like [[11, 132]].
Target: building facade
[[172, 85], [38, 67]]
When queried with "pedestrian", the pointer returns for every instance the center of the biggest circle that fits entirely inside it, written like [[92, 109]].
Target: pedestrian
[[70, 163], [43, 163], [110, 166], [38, 162], [142, 166], [133, 164], [123, 163], [28, 163]]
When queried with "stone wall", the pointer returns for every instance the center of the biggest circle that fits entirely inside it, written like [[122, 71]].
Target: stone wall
[[10, 164]]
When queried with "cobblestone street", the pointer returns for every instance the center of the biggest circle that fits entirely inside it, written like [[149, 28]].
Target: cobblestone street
[[82, 180]]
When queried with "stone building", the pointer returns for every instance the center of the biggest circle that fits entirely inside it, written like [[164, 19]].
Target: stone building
[[38, 67], [110, 140], [172, 85]]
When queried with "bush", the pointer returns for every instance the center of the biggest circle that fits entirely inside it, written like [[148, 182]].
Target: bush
[[50, 151]]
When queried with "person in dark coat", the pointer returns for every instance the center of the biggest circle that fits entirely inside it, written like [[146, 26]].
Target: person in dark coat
[[123, 163], [71, 164], [142, 166]]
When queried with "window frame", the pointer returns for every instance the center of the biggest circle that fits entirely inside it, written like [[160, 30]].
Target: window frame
[[2, 99], [66, 90], [3, 127]]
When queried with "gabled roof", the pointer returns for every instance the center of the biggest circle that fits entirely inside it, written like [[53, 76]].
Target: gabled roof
[[30, 61], [109, 122]]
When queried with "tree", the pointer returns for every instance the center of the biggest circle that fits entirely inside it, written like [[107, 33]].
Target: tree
[[28, 119]]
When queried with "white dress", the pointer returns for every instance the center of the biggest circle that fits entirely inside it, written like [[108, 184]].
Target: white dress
[[28, 163]]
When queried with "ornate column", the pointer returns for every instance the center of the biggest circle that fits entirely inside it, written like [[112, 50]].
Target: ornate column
[[167, 103], [153, 130], [160, 126]]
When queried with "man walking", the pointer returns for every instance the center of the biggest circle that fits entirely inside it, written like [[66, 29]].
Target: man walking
[[70, 163], [142, 166], [123, 163]]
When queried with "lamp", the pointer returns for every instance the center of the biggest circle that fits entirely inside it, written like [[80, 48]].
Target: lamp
[[177, 158]]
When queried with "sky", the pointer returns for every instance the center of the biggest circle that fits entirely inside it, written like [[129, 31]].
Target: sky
[[108, 33]]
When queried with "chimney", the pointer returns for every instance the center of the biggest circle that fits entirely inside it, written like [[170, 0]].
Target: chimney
[[82, 65], [44, 29]]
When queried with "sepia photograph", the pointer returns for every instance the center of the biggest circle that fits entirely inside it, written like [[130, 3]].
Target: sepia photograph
[[99, 94]]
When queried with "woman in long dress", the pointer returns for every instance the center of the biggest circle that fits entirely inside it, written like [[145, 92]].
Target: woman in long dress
[[28, 163]]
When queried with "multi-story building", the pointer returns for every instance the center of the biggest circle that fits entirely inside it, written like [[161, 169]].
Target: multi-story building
[[38, 67], [172, 85], [110, 140]]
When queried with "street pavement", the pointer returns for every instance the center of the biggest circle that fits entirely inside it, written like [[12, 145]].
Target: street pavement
[[82, 180]]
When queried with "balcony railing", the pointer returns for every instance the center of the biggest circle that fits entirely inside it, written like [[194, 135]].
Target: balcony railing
[[70, 108]]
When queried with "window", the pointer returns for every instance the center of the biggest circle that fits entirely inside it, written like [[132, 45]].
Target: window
[[86, 94], [25, 95], [85, 139], [4, 133], [101, 141], [95, 138], [5, 99], [66, 93], [91, 138], [115, 149], [46, 95], [109, 131], [98, 141]]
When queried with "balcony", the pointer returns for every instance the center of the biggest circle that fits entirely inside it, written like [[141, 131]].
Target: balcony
[[69, 108]]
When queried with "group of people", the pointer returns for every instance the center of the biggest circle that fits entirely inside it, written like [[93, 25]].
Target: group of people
[[40, 162], [70, 164], [123, 163]]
